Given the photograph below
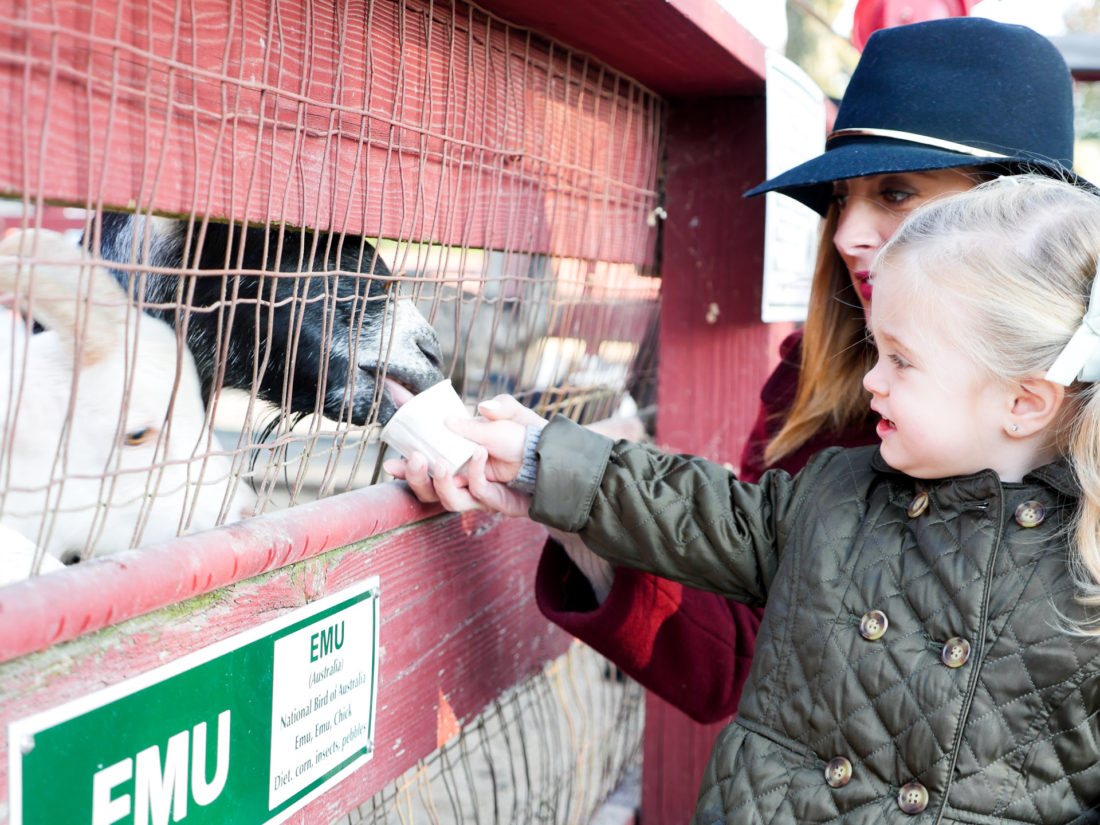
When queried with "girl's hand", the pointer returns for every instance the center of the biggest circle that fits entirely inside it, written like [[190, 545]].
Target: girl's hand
[[501, 433]]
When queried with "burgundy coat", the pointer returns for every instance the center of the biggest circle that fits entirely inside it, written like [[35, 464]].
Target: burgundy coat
[[690, 647]]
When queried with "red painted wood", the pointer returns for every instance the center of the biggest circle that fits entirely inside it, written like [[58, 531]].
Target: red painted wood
[[678, 48], [409, 120], [38, 613], [715, 353], [674, 754], [709, 374], [458, 620]]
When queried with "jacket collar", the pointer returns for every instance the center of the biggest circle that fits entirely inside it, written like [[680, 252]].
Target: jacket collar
[[1057, 475]]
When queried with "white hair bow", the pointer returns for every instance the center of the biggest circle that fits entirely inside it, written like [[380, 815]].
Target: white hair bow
[[1080, 359]]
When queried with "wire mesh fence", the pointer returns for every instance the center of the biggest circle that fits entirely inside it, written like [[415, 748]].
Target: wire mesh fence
[[275, 221], [548, 751], [332, 205]]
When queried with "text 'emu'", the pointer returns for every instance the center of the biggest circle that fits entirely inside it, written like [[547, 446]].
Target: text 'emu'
[[160, 792], [327, 641]]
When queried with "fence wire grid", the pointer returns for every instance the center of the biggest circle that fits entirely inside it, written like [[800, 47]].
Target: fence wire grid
[[416, 191], [274, 220], [548, 751]]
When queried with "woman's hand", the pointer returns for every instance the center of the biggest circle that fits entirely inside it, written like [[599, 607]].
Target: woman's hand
[[500, 432]]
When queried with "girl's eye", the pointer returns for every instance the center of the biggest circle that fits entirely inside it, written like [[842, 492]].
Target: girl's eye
[[898, 361], [840, 199]]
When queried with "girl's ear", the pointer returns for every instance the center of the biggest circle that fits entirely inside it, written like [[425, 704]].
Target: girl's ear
[[1035, 404]]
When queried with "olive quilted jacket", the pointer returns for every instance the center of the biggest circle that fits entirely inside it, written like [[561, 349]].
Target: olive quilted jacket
[[911, 665]]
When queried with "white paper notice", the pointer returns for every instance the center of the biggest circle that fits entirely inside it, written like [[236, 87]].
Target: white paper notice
[[323, 683], [795, 133]]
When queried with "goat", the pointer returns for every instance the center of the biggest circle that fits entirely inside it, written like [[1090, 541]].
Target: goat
[[302, 318], [104, 444], [18, 556]]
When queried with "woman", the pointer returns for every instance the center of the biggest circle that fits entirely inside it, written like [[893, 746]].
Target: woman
[[932, 108]]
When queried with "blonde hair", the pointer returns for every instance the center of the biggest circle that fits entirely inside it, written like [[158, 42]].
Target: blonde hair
[[1015, 259]]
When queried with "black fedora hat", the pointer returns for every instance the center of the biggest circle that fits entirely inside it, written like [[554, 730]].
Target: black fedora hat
[[964, 91]]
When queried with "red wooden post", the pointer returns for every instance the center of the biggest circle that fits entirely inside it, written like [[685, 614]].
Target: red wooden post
[[715, 354]]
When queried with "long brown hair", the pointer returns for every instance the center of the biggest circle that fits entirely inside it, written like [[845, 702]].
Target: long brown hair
[[835, 355]]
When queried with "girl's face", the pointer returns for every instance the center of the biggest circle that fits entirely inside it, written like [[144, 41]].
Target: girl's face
[[941, 414], [871, 208]]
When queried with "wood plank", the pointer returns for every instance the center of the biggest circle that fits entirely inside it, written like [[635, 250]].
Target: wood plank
[[458, 625], [715, 352], [678, 48], [714, 356], [406, 120], [674, 755]]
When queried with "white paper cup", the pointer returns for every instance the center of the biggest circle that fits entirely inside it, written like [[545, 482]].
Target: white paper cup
[[418, 426]]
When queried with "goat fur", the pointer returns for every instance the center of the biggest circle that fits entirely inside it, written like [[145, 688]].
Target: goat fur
[[304, 319], [105, 443]]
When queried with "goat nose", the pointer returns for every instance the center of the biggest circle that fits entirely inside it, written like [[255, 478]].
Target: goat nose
[[428, 343]]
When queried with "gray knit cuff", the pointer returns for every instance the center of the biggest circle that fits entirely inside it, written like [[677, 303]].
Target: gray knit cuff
[[524, 482]]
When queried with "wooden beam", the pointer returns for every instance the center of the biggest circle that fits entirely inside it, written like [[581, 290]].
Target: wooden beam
[[406, 120]]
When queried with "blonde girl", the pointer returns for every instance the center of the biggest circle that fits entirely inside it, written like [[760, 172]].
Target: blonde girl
[[1012, 269], [929, 643]]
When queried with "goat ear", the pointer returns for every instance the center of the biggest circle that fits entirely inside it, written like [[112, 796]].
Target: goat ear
[[54, 282]]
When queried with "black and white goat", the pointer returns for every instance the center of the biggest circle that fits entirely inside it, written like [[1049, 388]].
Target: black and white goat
[[304, 319]]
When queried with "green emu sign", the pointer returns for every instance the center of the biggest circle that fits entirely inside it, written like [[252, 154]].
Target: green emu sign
[[245, 731]]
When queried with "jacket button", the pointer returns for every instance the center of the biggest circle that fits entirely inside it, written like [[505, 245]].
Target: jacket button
[[918, 505], [913, 798], [838, 772], [873, 625], [1030, 513], [956, 651]]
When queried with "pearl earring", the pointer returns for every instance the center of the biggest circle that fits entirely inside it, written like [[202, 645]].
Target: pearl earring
[[1015, 428]]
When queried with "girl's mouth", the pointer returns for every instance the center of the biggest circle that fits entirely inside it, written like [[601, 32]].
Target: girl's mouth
[[885, 427]]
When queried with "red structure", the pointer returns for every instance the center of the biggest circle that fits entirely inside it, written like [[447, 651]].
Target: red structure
[[485, 632]]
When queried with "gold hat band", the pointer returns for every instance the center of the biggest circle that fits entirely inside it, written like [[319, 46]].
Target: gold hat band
[[912, 137]]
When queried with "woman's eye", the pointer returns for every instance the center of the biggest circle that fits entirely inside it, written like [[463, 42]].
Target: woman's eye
[[840, 199], [895, 195]]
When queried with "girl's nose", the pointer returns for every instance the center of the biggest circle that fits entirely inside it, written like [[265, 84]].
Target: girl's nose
[[871, 381]]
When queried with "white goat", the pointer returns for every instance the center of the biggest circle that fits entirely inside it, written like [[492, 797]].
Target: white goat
[[19, 558], [104, 442]]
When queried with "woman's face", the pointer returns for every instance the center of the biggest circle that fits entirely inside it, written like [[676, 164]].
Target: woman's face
[[871, 208]]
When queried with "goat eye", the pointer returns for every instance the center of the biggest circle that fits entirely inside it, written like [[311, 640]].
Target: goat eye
[[139, 437]]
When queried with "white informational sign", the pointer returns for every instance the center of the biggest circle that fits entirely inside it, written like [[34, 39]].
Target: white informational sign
[[322, 699], [795, 133]]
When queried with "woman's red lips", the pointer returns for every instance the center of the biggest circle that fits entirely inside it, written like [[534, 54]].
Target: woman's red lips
[[863, 280]]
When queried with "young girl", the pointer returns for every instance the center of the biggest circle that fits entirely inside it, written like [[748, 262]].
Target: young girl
[[929, 642], [931, 108]]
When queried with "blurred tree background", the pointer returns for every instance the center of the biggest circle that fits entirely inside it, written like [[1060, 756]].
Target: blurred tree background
[[817, 40], [1081, 21]]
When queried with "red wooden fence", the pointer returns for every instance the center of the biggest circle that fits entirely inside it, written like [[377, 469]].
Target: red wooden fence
[[458, 620]]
